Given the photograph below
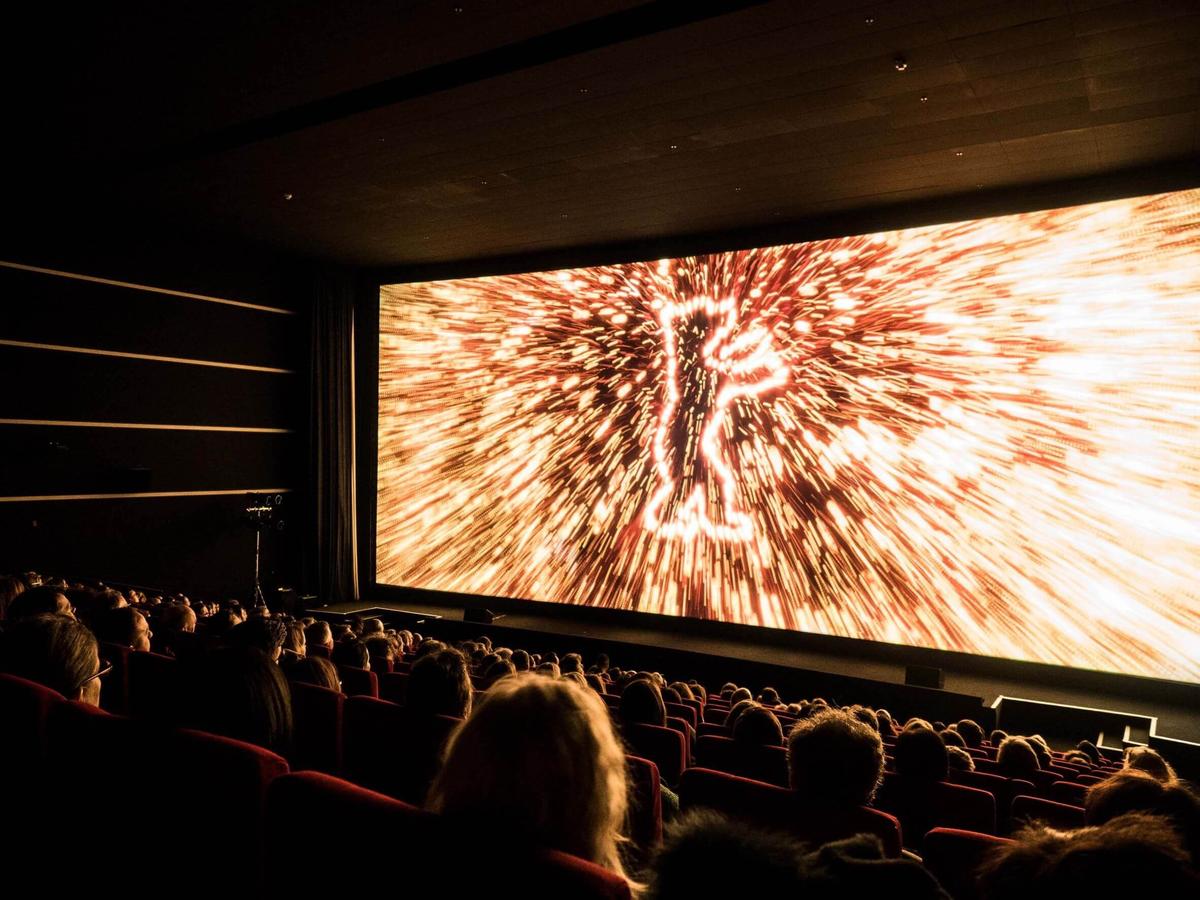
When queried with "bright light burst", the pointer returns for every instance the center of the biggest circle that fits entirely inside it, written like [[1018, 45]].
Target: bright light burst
[[982, 436]]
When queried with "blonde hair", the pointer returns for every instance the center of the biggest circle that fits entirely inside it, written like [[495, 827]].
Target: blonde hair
[[540, 755]]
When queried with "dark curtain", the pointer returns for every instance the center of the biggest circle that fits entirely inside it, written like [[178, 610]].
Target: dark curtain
[[332, 564]]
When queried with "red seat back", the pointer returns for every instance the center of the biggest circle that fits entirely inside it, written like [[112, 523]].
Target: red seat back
[[1038, 809], [922, 805], [358, 682], [114, 696], [954, 856], [317, 724], [665, 747], [390, 749], [761, 763], [393, 686], [683, 711], [1068, 792], [24, 709]]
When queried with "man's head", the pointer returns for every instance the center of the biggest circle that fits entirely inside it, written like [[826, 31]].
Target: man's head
[[56, 651], [834, 760]]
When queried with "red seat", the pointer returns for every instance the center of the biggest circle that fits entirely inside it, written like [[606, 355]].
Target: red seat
[[24, 709], [416, 845], [761, 763], [1089, 779], [645, 805], [921, 806], [715, 714], [317, 727], [771, 806], [390, 749], [29, 810], [954, 856], [1038, 809], [358, 682], [1068, 792], [683, 711], [1003, 789], [393, 686], [153, 685], [665, 747]]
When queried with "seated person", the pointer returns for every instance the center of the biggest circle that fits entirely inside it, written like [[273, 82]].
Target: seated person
[[920, 753], [56, 651], [1017, 759], [1134, 791], [124, 626], [758, 727], [315, 670], [440, 684]]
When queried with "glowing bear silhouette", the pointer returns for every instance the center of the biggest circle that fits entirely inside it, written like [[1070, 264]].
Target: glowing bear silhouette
[[748, 366]]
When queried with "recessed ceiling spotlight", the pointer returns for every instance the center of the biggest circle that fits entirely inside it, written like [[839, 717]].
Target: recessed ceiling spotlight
[[900, 63], [562, 215], [737, 190], [287, 196], [674, 146], [870, 20], [924, 98], [457, 10], [583, 90], [958, 153]]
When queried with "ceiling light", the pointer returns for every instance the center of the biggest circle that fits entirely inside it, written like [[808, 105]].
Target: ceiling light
[[924, 98], [900, 63], [870, 20], [958, 153], [287, 196]]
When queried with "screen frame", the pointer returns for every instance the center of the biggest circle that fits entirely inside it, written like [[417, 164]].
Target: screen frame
[[959, 207]]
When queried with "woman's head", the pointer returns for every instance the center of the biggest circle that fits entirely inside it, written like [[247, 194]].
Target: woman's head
[[315, 670], [758, 726], [539, 757], [54, 650], [642, 704], [241, 693]]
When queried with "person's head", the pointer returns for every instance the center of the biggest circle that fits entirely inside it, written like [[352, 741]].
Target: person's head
[[372, 626], [1123, 858], [834, 760], [176, 618], [1150, 761], [521, 661], [1078, 757], [706, 854], [727, 690], [11, 586], [699, 691], [238, 692], [294, 641], [39, 600], [315, 670], [319, 634], [440, 684], [56, 651], [428, 646], [1016, 759], [758, 726], [571, 662], [920, 753], [670, 695], [548, 669], [683, 689], [642, 704], [739, 695], [351, 653], [264, 634], [959, 760], [769, 697], [996, 738], [501, 668], [1092, 751], [125, 626], [736, 712], [971, 732], [539, 758], [379, 649], [595, 682], [1134, 791], [952, 738], [866, 715], [602, 662], [887, 727]]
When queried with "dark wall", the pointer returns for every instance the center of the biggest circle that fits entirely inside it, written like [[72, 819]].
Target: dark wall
[[244, 421]]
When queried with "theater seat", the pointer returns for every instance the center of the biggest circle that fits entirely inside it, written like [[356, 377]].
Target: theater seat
[[1068, 792], [389, 847], [683, 711], [954, 856], [774, 807], [921, 806], [393, 686], [317, 740], [153, 685], [1003, 789], [24, 709], [390, 749], [724, 754], [665, 747], [358, 682], [1037, 809], [645, 805]]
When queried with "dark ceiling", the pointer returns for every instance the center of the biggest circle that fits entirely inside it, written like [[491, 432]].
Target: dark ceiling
[[429, 132]]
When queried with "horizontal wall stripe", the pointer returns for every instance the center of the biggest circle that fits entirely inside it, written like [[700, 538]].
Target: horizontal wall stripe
[[93, 351], [148, 288], [156, 426], [147, 495]]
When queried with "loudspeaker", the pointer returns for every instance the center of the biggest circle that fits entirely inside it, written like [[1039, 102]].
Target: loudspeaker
[[287, 601], [924, 676], [480, 615]]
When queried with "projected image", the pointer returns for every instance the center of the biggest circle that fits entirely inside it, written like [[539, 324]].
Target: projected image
[[981, 436]]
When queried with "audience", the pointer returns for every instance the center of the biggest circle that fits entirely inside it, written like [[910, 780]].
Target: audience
[[440, 684], [55, 650]]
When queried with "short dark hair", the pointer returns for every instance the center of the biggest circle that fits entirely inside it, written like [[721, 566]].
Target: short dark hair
[[440, 684], [971, 732], [117, 625], [1118, 859], [1133, 791], [834, 759], [920, 753], [1016, 759], [501, 668], [642, 703], [351, 653], [571, 662], [758, 726], [521, 660], [35, 602], [950, 738], [51, 649], [262, 633], [959, 760]]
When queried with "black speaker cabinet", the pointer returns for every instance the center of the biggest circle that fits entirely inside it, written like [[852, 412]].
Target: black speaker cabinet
[[481, 615], [924, 676]]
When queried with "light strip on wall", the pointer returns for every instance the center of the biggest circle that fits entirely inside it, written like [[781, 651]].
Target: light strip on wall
[[154, 426], [93, 351], [144, 495], [145, 287]]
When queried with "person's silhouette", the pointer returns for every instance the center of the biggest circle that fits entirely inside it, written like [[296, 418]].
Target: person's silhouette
[[707, 367]]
